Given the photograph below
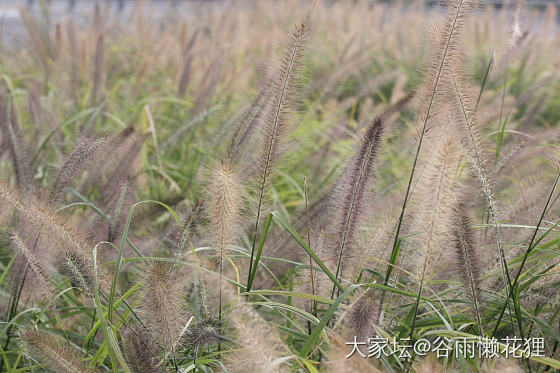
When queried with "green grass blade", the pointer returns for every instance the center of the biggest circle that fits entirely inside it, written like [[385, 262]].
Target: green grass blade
[[7, 269], [115, 353], [259, 252], [530, 247], [280, 219], [483, 84], [324, 321], [121, 249]]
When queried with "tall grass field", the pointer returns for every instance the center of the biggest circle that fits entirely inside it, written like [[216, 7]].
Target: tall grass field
[[280, 186]]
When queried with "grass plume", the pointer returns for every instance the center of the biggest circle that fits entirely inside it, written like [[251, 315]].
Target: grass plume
[[352, 187], [53, 352], [260, 345], [431, 91], [467, 259], [117, 209], [81, 154], [224, 205], [12, 135], [223, 208], [468, 125], [40, 273], [161, 305], [139, 350], [436, 193], [364, 313], [283, 94], [39, 217]]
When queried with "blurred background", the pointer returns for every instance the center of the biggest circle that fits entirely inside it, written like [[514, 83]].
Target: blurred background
[[11, 23]]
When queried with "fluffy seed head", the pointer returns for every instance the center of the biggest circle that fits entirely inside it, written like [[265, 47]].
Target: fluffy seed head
[[80, 272], [339, 363], [83, 152], [363, 314], [39, 271], [11, 132], [44, 220], [223, 207], [183, 234], [351, 189], [435, 195], [53, 352], [443, 57], [161, 304], [116, 210], [282, 96], [260, 344], [246, 126], [467, 257], [139, 350]]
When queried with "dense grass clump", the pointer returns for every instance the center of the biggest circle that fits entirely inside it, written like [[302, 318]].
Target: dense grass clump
[[251, 186]]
